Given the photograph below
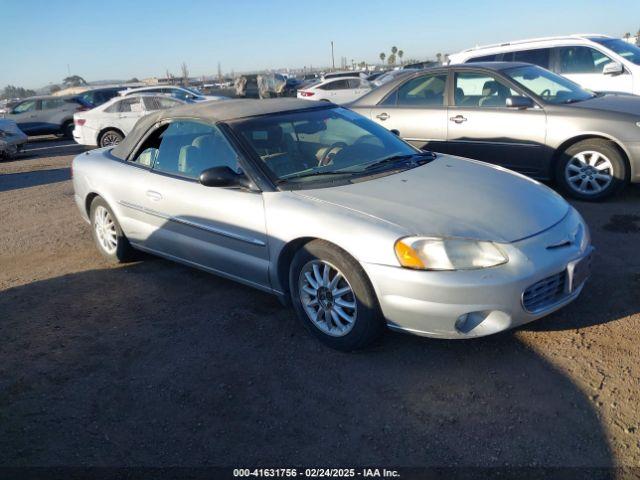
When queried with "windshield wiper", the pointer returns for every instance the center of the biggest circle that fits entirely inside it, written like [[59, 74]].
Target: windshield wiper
[[400, 158], [310, 174]]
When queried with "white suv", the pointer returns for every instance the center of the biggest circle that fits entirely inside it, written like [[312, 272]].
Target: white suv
[[597, 62]]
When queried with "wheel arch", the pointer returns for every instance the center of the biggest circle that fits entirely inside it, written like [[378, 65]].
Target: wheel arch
[[285, 258], [589, 136]]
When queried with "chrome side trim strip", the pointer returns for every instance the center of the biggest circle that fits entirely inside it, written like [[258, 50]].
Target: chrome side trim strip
[[189, 223]]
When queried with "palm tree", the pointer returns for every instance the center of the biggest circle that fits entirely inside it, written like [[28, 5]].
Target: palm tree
[[400, 54], [392, 59], [627, 36], [382, 57], [439, 58], [394, 50]]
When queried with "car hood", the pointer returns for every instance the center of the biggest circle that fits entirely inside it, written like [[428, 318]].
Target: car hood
[[612, 102], [453, 197]]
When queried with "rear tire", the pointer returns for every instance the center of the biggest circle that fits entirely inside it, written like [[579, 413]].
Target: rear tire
[[338, 306], [107, 234], [592, 170], [110, 138]]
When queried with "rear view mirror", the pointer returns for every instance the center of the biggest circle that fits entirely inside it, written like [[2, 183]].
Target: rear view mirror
[[223, 177], [519, 102], [612, 68], [310, 128]]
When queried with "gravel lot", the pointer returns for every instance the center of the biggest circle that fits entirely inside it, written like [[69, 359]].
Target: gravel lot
[[155, 364]]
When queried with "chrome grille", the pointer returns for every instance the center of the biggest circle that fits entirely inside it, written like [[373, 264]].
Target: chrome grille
[[544, 293]]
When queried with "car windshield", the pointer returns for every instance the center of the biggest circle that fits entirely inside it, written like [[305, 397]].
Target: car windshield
[[334, 143], [548, 86], [195, 91], [626, 50]]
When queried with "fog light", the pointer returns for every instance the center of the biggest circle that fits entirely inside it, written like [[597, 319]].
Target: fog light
[[469, 321]]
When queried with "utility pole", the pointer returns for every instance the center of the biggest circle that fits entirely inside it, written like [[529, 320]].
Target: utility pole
[[333, 62], [68, 70]]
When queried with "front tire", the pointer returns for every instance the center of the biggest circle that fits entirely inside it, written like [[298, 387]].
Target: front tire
[[333, 297], [107, 233], [592, 170]]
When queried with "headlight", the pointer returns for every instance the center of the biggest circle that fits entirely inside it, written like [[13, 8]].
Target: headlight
[[427, 253]]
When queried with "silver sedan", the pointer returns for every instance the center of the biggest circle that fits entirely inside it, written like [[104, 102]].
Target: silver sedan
[[337, 216]]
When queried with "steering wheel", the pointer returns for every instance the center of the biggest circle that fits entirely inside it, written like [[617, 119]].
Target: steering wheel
[[546, 94], [325, 157]]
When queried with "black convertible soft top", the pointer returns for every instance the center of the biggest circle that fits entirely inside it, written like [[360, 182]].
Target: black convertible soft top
[[212, 112]]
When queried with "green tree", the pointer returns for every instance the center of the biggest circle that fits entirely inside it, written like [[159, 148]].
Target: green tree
[[400, 55], [394, 50], [382, 57], [74, 81], [11, 91], [54, 89], [392, 59], [439, 58]]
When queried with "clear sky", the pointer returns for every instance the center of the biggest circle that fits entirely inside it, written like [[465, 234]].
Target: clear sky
[[118, 39]]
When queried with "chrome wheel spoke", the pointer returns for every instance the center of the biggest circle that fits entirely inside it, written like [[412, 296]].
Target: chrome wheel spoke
[[589, 172], [327, 298]]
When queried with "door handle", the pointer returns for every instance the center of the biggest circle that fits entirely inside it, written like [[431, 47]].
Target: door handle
[[458, 119], [155, 196], [383, 116]]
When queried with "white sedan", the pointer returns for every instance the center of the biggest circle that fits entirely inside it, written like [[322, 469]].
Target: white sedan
[[109, 123], [337, 90]]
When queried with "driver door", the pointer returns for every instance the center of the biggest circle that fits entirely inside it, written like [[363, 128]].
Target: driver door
[[220, 229], [25, 114], [482, 127]]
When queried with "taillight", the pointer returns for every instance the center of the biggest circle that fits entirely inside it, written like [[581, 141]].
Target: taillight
[[79, 121], [306, 93]]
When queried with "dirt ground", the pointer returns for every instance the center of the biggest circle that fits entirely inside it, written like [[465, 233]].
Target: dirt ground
[[156, 364]]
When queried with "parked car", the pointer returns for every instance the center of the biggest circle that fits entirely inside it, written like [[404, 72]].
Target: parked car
[[337, 90], [109, 123], [181, 93], [519, 116], [349, 73], [246, 86], [337, 216], [597, 62], [97, 96], [12, 139], [46, 115]]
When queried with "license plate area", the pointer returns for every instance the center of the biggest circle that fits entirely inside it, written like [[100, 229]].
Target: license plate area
[[578, 271]]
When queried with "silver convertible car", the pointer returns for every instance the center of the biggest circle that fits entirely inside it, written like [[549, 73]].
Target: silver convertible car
[[339, 217]]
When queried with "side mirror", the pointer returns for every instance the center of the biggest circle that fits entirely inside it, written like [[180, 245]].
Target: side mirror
[[223, 177], [395, 132], [612, 68], [519, 102]]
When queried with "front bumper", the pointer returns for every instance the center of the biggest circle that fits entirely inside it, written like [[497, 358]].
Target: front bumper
[[467, 304]]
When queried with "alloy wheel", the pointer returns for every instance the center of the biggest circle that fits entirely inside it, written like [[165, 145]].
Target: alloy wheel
[[589, 172], [105, 229], [327, 298], [110, 139]]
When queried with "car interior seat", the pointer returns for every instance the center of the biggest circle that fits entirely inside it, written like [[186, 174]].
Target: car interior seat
[[494, 94]]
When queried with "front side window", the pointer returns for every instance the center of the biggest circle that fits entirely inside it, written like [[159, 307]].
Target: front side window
[[550, 87], [306, 146], [626, 50], [423, 91], [28, 106], [187, 148], [582, 60], [480, 90]]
